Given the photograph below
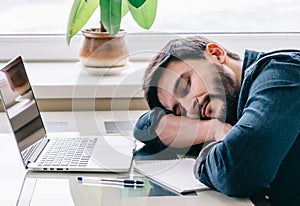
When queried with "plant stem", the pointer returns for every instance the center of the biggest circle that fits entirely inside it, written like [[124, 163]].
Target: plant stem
[[102, 28]]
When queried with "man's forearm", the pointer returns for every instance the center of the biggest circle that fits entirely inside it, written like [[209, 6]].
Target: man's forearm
[[180, 131]]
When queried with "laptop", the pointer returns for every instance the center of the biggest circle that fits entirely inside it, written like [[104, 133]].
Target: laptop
[[43, 152]]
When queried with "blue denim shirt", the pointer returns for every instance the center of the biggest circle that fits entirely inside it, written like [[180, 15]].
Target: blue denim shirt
[[262, 151]]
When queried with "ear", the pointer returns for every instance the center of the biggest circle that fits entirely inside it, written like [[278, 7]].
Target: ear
[[216, 52]]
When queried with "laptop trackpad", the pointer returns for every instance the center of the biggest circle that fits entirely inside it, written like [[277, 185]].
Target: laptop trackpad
[[113, 153]]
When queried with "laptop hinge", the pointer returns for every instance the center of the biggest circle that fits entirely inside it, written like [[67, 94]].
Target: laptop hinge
[[37, 151]]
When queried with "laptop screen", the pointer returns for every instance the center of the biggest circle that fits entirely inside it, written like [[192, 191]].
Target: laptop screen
[[21, 106]]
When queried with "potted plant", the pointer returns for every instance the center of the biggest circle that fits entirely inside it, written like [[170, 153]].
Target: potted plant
[[106, 45]]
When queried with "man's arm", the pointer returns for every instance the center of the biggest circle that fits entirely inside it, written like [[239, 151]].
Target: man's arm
[[159, 129], [249, 157], [180, 131]]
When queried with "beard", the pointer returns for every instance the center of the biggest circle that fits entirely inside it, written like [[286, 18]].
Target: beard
[[226, 93]]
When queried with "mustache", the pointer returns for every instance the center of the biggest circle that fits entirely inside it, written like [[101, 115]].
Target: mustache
[[206, 100], [201, 107]]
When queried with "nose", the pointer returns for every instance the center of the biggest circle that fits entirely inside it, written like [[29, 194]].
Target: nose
[[191, 106]]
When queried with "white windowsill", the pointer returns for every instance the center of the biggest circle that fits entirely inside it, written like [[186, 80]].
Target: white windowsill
[[54, 74], [141, 46], [67, 80]]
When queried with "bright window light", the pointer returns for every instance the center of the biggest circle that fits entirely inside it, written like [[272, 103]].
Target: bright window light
[[173, 16]]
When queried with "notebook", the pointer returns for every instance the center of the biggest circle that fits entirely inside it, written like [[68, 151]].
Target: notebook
[[175, 174], [43, 152]]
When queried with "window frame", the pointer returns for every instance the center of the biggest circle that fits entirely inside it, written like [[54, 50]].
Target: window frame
[[53, 49], [142, 46]]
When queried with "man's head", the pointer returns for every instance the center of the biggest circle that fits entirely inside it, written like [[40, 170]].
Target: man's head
[[191, 77]]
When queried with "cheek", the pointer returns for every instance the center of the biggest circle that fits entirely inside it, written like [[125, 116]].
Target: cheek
[[199, 86], [217, 108]]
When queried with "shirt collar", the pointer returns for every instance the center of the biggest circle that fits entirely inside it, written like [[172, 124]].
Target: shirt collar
[[250, 57]]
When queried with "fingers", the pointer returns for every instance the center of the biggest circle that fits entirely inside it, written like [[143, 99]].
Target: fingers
[[221, 130]]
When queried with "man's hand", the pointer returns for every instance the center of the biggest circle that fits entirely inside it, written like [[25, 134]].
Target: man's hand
[[219, 129]]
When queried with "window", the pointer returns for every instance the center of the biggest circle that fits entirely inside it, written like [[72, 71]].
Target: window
[[189, 16], [36, 30], [34, 16], [221, 16], [28, 24]]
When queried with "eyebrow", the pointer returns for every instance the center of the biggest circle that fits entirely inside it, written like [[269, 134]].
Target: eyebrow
[[179, 79]]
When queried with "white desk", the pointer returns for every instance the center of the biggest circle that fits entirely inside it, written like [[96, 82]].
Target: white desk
[[62, 189]]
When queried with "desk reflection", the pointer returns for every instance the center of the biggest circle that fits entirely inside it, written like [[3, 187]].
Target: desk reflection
[[63, 189]]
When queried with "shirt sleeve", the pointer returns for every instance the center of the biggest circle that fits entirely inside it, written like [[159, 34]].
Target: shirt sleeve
[[249, 158]]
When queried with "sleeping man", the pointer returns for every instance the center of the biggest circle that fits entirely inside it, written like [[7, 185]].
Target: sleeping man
[[243, 114]]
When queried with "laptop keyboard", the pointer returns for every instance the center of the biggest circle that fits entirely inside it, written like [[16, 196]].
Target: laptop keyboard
[[28, 152], [69, 152]]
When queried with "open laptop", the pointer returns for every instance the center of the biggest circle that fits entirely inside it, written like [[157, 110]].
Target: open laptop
[[41, 152]]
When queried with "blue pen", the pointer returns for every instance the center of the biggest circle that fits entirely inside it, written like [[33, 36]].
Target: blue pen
[[125, 182]]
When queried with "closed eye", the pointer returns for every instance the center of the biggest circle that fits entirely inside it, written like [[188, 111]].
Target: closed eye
[[183, 85], [184, 88], [187, 86]]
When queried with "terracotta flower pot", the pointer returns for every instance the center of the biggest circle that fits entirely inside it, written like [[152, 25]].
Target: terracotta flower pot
[[100, 49]]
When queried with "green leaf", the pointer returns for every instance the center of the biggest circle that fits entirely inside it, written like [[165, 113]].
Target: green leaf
[[145, 14], [124, 8], [137, 3], [111, 15], [80, 13]]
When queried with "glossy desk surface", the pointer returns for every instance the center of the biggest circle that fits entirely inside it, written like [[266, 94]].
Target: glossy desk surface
[[21, 187]]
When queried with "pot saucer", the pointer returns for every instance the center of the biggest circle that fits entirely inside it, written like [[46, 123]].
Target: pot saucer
[[104, 71]]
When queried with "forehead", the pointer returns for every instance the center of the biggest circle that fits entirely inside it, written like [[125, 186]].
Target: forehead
[[196, 68], [171, 73], [175, 69], [168, 79]]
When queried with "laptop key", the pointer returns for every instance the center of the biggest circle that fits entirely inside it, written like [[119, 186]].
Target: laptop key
[[71, 152]]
